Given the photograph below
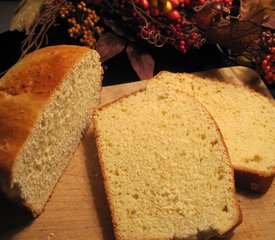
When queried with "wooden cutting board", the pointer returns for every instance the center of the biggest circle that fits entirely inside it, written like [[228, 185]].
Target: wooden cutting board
[[78, 208]]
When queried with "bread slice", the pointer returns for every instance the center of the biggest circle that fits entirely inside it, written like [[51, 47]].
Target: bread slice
[[166, 170], [246, 120], [46, 104]]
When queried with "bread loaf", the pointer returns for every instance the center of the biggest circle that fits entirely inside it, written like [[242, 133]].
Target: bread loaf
[[246, 120], [166, 170], [46, 104]]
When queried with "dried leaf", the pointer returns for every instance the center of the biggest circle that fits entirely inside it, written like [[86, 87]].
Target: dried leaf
[[187, 21], [117, 27], [236, 36], [109, 45], [255, 10], [269, 22], [204, 17], [142, 62], [26, 14]]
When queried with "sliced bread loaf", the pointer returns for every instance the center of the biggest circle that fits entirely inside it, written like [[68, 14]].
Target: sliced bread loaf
[[46, 104], [246, 120], [166, 170]]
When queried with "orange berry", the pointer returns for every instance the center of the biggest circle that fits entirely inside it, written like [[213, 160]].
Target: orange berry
[[167, 7]]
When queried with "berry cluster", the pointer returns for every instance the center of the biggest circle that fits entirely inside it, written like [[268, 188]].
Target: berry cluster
[[268, 39], [267, 65], [163, 21], [228, 3], [171, 9], [160, 21], [165, 7], [82, 22]]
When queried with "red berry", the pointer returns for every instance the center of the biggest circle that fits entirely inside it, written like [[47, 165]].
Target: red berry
[[267, 68], [182, 42], [268, 57], [173, 15], [154, 11], [264, 63], [144, 4]]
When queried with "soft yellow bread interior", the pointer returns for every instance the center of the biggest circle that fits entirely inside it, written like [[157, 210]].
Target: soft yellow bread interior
[[166, 170], [246, 119], [56, 134]]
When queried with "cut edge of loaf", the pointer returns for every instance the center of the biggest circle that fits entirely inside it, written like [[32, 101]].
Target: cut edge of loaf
[[80, 89], [207, 234], [256, 180]]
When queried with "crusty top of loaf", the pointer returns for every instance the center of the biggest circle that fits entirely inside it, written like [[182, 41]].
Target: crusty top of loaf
[[40, 72], [24, 92]]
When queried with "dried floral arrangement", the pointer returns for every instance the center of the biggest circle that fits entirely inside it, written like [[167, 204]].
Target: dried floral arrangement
[[243, 30]]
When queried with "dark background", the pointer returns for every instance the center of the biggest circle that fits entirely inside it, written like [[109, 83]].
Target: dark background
[[118, 69]]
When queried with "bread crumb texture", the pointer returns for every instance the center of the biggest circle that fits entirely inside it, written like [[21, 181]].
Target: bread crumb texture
[[246, 118], [51, 122], [166, 170]]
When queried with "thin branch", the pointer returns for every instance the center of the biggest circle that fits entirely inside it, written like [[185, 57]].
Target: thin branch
[[45, 21]]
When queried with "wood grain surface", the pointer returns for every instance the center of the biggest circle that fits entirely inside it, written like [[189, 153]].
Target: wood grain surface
[[78, 208]]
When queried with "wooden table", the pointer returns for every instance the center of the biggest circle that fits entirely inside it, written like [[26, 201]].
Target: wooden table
[[78, 208]]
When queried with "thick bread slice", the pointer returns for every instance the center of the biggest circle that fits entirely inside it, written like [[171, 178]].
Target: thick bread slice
[[46, 104], [246, 120], [166, 170]]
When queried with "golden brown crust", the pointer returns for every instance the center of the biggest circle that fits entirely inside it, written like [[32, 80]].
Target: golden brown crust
[[101, 162], [239, 218], [16, 120], [40, 72], [24, 92], [104, 176]]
